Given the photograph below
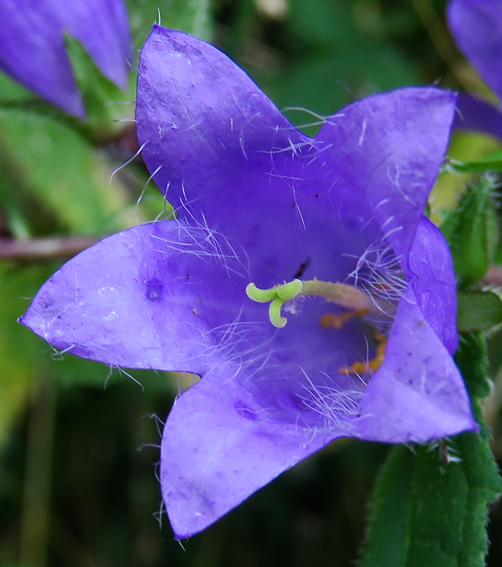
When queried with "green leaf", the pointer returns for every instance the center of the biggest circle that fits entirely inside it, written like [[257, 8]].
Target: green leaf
[[472, 359], [49, 170], [429, 513], [492, 162], [11, 90], [191, 16], [104, 101], [479, 310], [472, 232], [386, 543]]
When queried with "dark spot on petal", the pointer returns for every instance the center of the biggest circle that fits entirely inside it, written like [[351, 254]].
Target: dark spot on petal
[[187, 276], [154, 289], [245, 411]]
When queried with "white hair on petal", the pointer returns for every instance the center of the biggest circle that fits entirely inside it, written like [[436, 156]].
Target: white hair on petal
[[205, 242], [378, 271], [162, 511], [136, 208], [334, 405], [132, 158]]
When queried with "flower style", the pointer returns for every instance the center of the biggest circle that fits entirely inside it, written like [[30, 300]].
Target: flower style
[[32, 48], [369, 301], [477, 28]]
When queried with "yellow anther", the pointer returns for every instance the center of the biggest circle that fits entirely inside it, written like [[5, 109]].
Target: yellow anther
[[372, 365], [331, 320]]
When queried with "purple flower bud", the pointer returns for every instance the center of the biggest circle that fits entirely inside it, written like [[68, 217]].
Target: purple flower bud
[[32, 47], [260, 202], [476, 26]]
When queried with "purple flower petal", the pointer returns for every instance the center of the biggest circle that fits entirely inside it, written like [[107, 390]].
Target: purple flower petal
[[225, 139], [260, 202], [478, 115], [219, 447], [32, 49], [143, 298], [387, 155], [303, 185], [418, 389], [182, 82], [477, 28], [433, 282]]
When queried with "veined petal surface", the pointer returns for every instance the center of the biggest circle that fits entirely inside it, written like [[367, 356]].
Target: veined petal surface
[[432, 277], [142, 298]]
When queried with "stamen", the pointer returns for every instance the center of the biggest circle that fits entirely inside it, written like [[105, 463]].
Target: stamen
[[331, 320], [359, 367], [347, 296]]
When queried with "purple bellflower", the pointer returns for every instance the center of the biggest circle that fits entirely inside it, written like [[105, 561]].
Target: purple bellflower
[[476, 26], [369, 298], [32, 49]]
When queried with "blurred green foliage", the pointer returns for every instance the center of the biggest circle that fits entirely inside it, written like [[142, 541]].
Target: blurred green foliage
[[74, 489], [472, 231], [430, 504]]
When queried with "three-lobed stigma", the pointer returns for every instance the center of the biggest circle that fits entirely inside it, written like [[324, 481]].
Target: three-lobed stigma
[[344, 295]]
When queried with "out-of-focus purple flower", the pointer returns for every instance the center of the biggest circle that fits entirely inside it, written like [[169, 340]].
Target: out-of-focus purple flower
[[32, 47], [477, 28], [258, 201]]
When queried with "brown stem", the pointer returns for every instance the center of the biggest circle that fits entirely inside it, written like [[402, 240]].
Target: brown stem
[[493, 276], [44, 248], [441, 39]]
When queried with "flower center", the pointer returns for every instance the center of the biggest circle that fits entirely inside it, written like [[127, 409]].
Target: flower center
[[344, 295], [358, 302]]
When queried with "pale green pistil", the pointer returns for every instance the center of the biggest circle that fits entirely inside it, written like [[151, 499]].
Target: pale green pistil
[[343, 295]]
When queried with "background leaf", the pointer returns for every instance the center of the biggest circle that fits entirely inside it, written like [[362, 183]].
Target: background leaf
[[492, 162], [479, 310], [472, 231], [430, 512], [50, 168], [105, 103]]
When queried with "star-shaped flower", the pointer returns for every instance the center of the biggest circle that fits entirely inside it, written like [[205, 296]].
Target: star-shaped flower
[[476, 26], [32, 48], [370, 303]]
